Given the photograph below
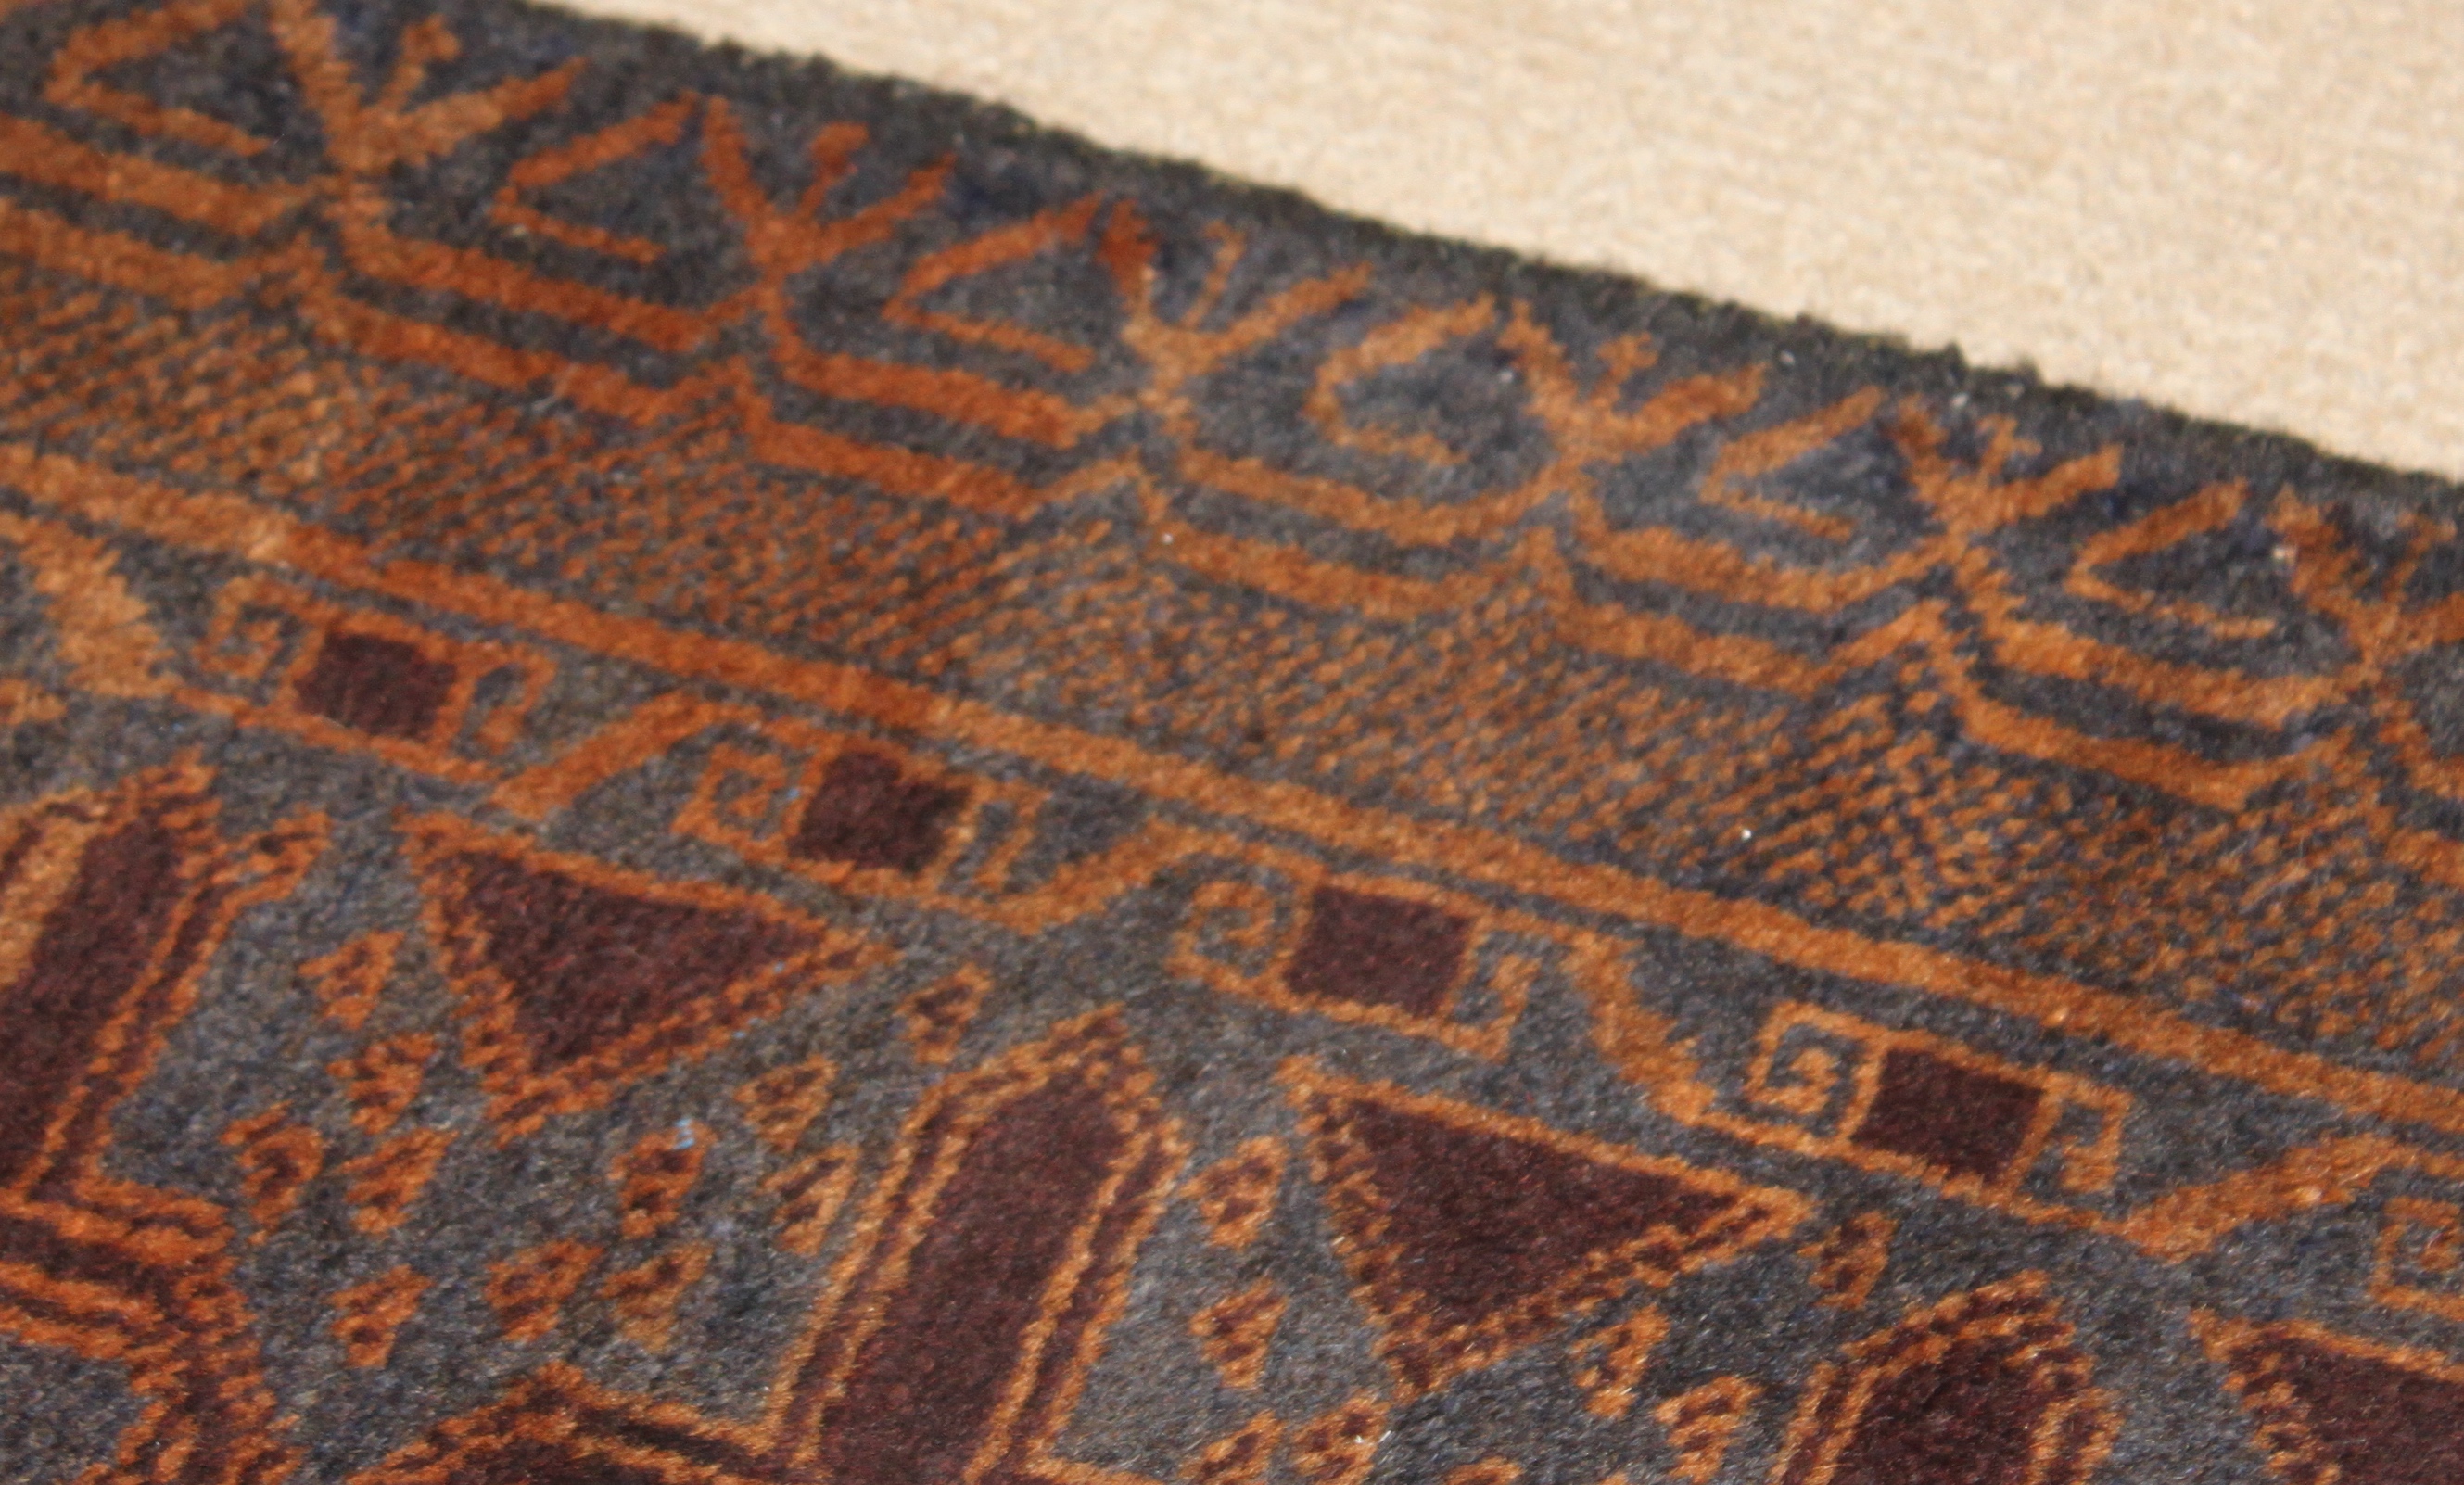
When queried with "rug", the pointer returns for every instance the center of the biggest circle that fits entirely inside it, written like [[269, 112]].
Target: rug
[[718, 773], [2242, 211]]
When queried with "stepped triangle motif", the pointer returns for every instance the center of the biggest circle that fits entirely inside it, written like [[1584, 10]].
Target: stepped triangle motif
[[1470, 1233], [2336, 1410], [577, 977]]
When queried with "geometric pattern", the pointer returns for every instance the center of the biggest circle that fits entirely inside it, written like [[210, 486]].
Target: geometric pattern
[[966, 1315], [1981, 1387], [117, 901], [1031, 1252], [1236, 1196], [1468, 1234], [1703, 1423], [575, 976], [1235, 1332], [2336, 1408], [711, 772]]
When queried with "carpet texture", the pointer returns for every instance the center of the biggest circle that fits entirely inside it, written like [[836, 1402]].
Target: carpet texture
[[716, 773], [2250, 211]]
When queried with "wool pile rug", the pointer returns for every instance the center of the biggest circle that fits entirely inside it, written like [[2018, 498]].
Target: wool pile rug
[[712, 773]]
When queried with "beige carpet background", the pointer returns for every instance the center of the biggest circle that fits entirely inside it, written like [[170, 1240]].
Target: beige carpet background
[[2245, 211]]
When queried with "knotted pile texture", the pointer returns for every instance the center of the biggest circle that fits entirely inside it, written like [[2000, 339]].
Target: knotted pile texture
[[718, 775]]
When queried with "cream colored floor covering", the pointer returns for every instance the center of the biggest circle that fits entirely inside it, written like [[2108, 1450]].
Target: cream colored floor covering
[[2245, 211]]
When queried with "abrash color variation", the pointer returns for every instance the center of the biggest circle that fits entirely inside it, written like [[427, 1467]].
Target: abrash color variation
[[712, 773]]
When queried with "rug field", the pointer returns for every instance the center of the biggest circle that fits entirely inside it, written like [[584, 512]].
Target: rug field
[[717, 773]]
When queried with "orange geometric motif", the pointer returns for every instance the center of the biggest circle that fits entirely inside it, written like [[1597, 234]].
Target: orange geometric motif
[[1236, 1196], [653, 1177], [810, 1194], [366, 1315], [277, 1158], [708, 531], [1609, 1362], [388, 1180], [348, 981], [1235, 1331], [556, 1428], [519, 929], [646, 1296], [851, 811], [1102, 1163], [1850, 1258], [1984, 1385], [363, 681], [1241, 1457], [528, 1290], [381, 1080], [782, 1103], [112, 904], [1339, 1446], [1703, 1423], [984, 1370], [1905, 1100], [1470, 1233], [2420, 1250], [2337, 1409], [937, 1017], [1384, 951]]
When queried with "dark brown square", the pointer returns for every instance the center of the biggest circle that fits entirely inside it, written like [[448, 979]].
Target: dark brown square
[[1372, 950], [1937, 1111], [370, 684], [868, 813]]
